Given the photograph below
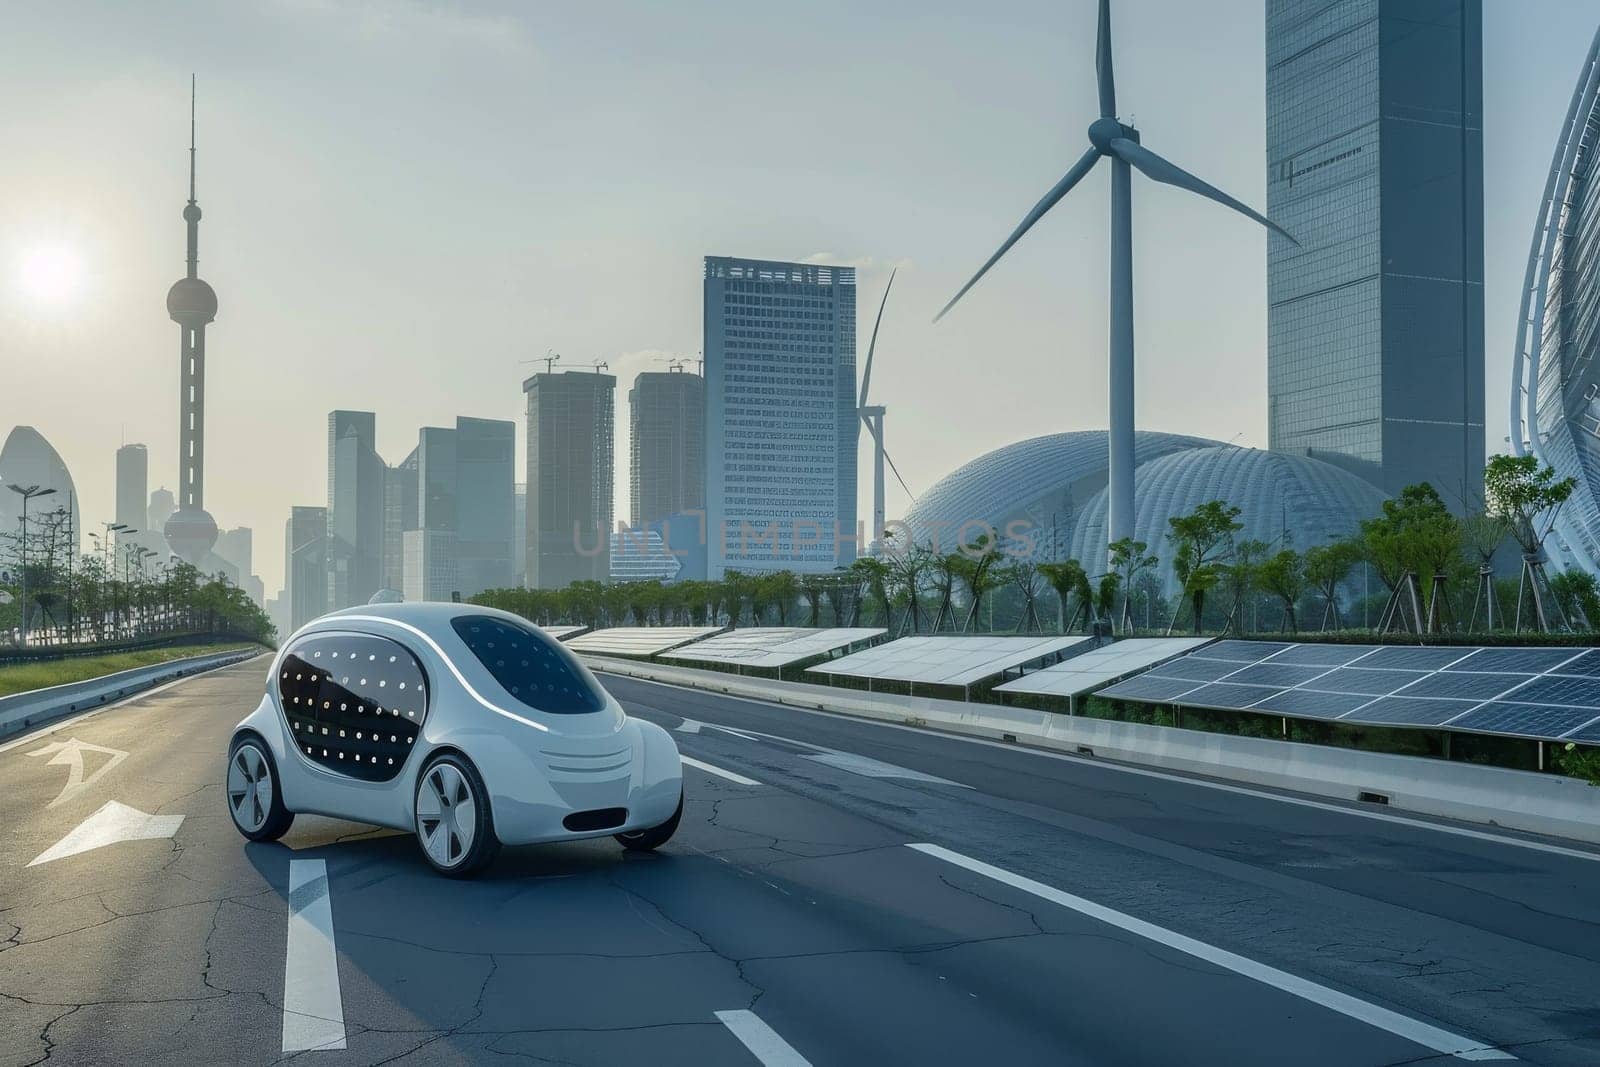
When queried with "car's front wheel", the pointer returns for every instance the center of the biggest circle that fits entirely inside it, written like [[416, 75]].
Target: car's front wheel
[[254, 799], [454, 825], [654, 836]]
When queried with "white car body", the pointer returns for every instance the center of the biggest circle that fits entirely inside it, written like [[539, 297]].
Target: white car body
[[543, 772]]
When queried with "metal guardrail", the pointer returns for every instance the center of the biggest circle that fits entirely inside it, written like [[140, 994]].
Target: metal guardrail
[[48, 653], [23, 711]]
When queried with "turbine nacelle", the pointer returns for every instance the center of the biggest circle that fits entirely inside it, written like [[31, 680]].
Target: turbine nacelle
[[1103, 131]]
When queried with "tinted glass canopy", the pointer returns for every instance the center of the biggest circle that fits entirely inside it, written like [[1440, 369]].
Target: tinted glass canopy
[[535, 670]]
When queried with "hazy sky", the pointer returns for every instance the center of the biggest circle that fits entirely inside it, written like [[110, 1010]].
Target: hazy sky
[[405, 201]]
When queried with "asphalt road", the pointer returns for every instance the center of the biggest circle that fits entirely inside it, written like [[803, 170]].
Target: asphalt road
[[878, 895]]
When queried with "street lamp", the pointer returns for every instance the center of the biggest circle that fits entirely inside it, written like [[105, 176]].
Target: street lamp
[[28, 493]]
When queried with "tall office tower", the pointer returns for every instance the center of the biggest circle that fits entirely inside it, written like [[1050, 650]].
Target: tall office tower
[[192, 304], [430, 572], [399, 515], [162, 505], [236, 547], [781, 420], [485, 530], [519, 536], [666, 446], [1375, 163], [305, 565], [133, 485], [355, 509], [571, 451]]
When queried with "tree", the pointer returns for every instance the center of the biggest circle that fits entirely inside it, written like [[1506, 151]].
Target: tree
[[1528, 498], [1326, 567], [811, 588], [1024, 576], [1200, 541], [1241, 576], [1071, 584], [977, 565], [1483, 534], [1414, 534], [1130, 560], [1284, 576], [909, 565], [872, 574], [1578, 593]]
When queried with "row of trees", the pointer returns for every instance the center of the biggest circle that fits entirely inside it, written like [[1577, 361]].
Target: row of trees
[[1425, 571], [73, 599]]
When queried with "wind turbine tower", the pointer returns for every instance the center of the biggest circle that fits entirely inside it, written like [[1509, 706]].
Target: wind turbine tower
[[872, 417], [1119, 142]]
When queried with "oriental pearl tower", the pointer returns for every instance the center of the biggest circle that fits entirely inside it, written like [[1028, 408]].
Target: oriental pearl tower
[[191, 303]]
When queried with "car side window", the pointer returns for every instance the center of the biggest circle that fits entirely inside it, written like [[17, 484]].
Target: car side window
[[533, 668], [354, 703]]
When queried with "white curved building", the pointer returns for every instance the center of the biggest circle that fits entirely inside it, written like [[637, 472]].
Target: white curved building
[[1555, 384], [27, 459]]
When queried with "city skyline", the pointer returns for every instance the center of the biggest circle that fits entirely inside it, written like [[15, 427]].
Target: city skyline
[[1046, 324]]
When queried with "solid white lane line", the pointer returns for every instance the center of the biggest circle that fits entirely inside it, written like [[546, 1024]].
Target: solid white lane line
[[871, 768], [1415, 1030], [762, 1040], [313, 1010], [1145, 772], [113, 822], [718, 771]]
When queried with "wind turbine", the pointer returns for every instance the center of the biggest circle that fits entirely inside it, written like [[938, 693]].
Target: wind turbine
[[872, 416], [1120, 143]]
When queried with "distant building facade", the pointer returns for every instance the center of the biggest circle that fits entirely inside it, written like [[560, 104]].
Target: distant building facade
[[305, 565], [27, 459], [781, 420], [571, 442], [162, 505], [1375, 164], [133, 486], [666, 445], [519, 536], [355, 509], [399, 515]]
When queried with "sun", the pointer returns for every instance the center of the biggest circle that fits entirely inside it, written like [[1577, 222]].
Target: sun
[[51, 274]]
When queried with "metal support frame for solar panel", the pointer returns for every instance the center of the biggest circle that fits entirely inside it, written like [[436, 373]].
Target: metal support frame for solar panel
[[639, 642], [774, 648], [962, 662], [1540, 694]]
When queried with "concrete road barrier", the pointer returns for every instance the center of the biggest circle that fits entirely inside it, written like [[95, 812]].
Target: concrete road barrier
[[24, 711], [1492, 796]]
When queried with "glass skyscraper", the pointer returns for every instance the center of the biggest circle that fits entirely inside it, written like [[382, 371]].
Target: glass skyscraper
[[667, 446], [1375, 163], [781, 421], [571, 451]]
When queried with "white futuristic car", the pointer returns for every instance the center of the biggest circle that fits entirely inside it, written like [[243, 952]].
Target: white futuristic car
[[467, 726]]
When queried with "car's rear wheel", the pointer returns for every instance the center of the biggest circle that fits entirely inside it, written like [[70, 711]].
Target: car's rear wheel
[[654, 836], [454, 825], [254, 799]]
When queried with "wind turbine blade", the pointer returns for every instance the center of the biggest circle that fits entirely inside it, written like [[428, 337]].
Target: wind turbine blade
[[1102, 64], [890, 460], [1060, 189], [1155, 168], [866, 376]]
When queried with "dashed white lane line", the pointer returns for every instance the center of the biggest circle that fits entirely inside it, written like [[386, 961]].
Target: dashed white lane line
[[871, 768], [1442, 1041], [738, 779], [762, 1040], [313, 1009]]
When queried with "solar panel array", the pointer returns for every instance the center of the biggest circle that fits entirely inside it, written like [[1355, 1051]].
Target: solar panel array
[[1547, 694], [1094, 668], [638, 640], [561, 633], [773, 646], [947, 660]]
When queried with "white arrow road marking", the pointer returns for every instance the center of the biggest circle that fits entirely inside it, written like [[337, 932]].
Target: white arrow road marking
[[871, 768], [1401, 1025], [690, 726], [70, 755], [762, 1040], [313, 1009], [738, 779], [112, 823]]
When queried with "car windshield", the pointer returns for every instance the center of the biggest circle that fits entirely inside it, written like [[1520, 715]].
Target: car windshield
[[534, 669]]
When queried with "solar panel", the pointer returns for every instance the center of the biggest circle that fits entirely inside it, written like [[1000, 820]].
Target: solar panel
[[1308, 704], [1552, 689], [1274, 673], [1463, 685], [1587, 664], [561, 633], [1324, 655], [1357, 680], [1408, 658], [770, 647], [638, 640], [1094, 668], [946, 660], [1223, 695], [1516, 660], [1196, 669], [1149, 687], [1241, 651], [1588, 735], [1525, 720], [1410, 711]]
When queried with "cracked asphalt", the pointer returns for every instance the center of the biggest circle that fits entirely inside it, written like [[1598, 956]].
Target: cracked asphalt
[[796, 899]]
